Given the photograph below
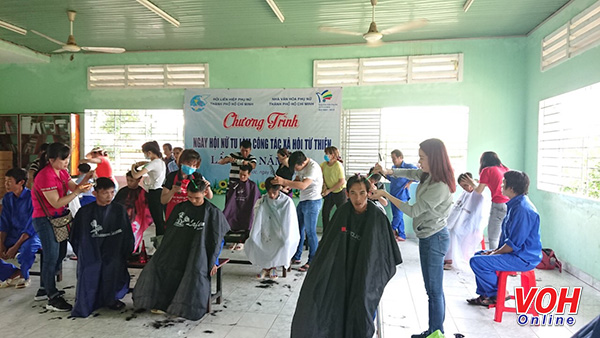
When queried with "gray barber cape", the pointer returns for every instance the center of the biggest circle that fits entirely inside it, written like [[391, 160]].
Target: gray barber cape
[[356, 258], [177, 278]]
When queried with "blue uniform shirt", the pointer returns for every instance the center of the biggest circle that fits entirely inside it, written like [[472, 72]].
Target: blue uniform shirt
[[15, 219], [521, 230], [398, 185]]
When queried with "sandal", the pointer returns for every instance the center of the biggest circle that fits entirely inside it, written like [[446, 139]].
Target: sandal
[[273, 273], [296, 261], [263, 274], [303, 268], [482, 300]]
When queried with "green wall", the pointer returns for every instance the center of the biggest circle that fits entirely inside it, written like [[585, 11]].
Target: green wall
[[493, 85], [569, 224]]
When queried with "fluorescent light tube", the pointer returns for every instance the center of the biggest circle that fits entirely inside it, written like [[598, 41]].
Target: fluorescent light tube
[[467, 5], [276, 10], [159, 12], [13, 28]]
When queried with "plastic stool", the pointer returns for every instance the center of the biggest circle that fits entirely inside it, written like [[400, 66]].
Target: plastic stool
[[527, 282]]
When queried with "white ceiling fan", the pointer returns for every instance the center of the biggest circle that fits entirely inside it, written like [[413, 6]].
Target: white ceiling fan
[[373, 36], [71, 45]]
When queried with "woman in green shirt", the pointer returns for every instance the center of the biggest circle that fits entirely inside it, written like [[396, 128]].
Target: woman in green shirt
[[334, 182]]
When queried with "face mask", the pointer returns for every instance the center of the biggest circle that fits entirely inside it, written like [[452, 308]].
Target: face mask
[[326, 158], [187, 170], [146, 156]]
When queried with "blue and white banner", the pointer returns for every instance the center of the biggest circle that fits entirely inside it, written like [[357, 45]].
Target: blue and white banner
[[217, 120]]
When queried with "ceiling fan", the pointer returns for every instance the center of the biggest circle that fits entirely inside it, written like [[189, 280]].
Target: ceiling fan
[[373, 36], [71, 45]]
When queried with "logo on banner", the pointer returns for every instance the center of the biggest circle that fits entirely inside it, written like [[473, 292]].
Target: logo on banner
[[197, 103], [549, 304], [324, 96]]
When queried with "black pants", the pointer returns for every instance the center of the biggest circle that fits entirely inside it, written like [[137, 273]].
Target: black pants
[[156, 210], [329, 201]]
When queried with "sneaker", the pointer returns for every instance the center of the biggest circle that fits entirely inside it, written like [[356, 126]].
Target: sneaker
[[59, 304], [423, 334], [42, 295], [22, 283]]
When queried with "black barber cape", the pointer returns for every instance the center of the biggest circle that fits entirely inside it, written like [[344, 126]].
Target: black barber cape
[[102, 240], [356, 258], [177, 278]]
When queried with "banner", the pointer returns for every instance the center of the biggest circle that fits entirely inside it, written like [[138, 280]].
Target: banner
[[217, 120]]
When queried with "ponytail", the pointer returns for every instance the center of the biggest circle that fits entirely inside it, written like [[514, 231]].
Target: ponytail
[[55, 150]]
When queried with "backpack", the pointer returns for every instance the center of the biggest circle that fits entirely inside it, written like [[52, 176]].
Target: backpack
[[549, 261]]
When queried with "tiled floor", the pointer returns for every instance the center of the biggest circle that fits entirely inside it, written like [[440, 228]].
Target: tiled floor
[[253, 311]]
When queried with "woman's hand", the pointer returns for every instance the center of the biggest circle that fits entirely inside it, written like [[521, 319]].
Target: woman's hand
[[83, 188], [378, 193], [378, 169]]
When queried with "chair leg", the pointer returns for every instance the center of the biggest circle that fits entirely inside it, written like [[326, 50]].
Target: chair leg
[[500, 296]]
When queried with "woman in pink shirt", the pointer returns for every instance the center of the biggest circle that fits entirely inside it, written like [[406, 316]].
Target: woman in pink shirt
[[52, 182], [99, 157], [491, 173]]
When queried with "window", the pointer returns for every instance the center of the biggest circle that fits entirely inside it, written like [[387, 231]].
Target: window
[[575, 37], [148, 76], [122, 132], [370, 133], [569, 143], [388, 70]]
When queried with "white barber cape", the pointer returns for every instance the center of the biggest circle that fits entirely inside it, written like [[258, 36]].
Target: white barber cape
[[274, 236], [466, 224]]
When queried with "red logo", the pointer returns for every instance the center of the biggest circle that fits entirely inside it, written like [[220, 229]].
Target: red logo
[[549, 303], [536, 297], [343, 229]]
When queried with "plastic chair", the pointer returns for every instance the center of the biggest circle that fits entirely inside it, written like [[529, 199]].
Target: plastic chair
[[527, 282]]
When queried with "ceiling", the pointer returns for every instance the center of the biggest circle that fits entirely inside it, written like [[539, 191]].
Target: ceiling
[[251, 23]]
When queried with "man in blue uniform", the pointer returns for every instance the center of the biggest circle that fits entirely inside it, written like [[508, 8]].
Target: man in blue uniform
[[16, 230], [399, 189], [520, 247]]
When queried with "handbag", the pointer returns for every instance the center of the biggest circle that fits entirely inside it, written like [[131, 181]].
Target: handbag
[[61, 225]]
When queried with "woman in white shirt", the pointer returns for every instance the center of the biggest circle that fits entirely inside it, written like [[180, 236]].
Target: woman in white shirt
[[155, 170]]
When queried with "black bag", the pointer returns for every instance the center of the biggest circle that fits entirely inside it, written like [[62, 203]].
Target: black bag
[[549, 261]]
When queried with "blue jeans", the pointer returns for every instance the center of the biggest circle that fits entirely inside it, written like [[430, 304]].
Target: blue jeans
[[485, 267], [431, 252], [26, 255], [308, 214], [53, 253]]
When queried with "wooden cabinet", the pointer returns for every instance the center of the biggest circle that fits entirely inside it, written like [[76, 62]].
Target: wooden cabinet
[[36, 130], [24, 135], [6, 163]]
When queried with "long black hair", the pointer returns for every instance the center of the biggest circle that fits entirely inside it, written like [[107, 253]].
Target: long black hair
[[489, 159], [55, 150]]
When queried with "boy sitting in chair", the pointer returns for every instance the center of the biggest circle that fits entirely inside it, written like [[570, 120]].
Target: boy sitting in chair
[[520, 247], [274, 236], [239, 208], [102, 240], [177, 278], [16, 230]]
